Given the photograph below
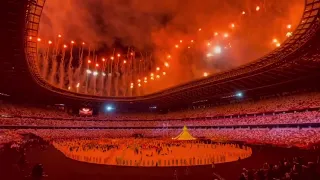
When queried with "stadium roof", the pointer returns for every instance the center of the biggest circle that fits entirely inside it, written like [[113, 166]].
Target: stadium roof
[[296, 61]]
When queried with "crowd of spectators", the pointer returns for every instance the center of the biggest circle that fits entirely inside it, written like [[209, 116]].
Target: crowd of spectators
[[274, 104], [286, 169], [282, 118], [7, 136], [7, 109], [294, 109], [305, 137]]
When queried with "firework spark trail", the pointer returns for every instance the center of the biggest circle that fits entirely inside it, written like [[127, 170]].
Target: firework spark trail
[[250, 38], [123, 85], [54, 66], [78, 76], [100, 85], [69, 72], [53, 72], [46, 62], [116, 76], [105, 83], [39, 60], [116, 82], [109, 82], [94, 85], [62, 70], [93, 76]]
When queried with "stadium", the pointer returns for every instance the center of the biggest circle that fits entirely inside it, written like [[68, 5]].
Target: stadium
[[163, 90]]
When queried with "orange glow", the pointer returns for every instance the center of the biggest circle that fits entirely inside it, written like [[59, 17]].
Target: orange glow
[[139, 85], [131, 84], [152, 78], [131, 87], [158, 76], [145, 81], [151, 74], [289, 34], [205, 74], [65, 46], [39, 39], [89, 61], [30, 38], [217, 50], [275, 40], [139, 80], [173, 48], [145, 78], [209, 55], [49, 42], [97, 65]]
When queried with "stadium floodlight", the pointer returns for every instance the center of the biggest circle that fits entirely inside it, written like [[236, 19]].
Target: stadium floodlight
[[109, 108], [239, 94]]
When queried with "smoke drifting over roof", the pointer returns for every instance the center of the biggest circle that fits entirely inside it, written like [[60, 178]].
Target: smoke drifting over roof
[[156, 26]]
